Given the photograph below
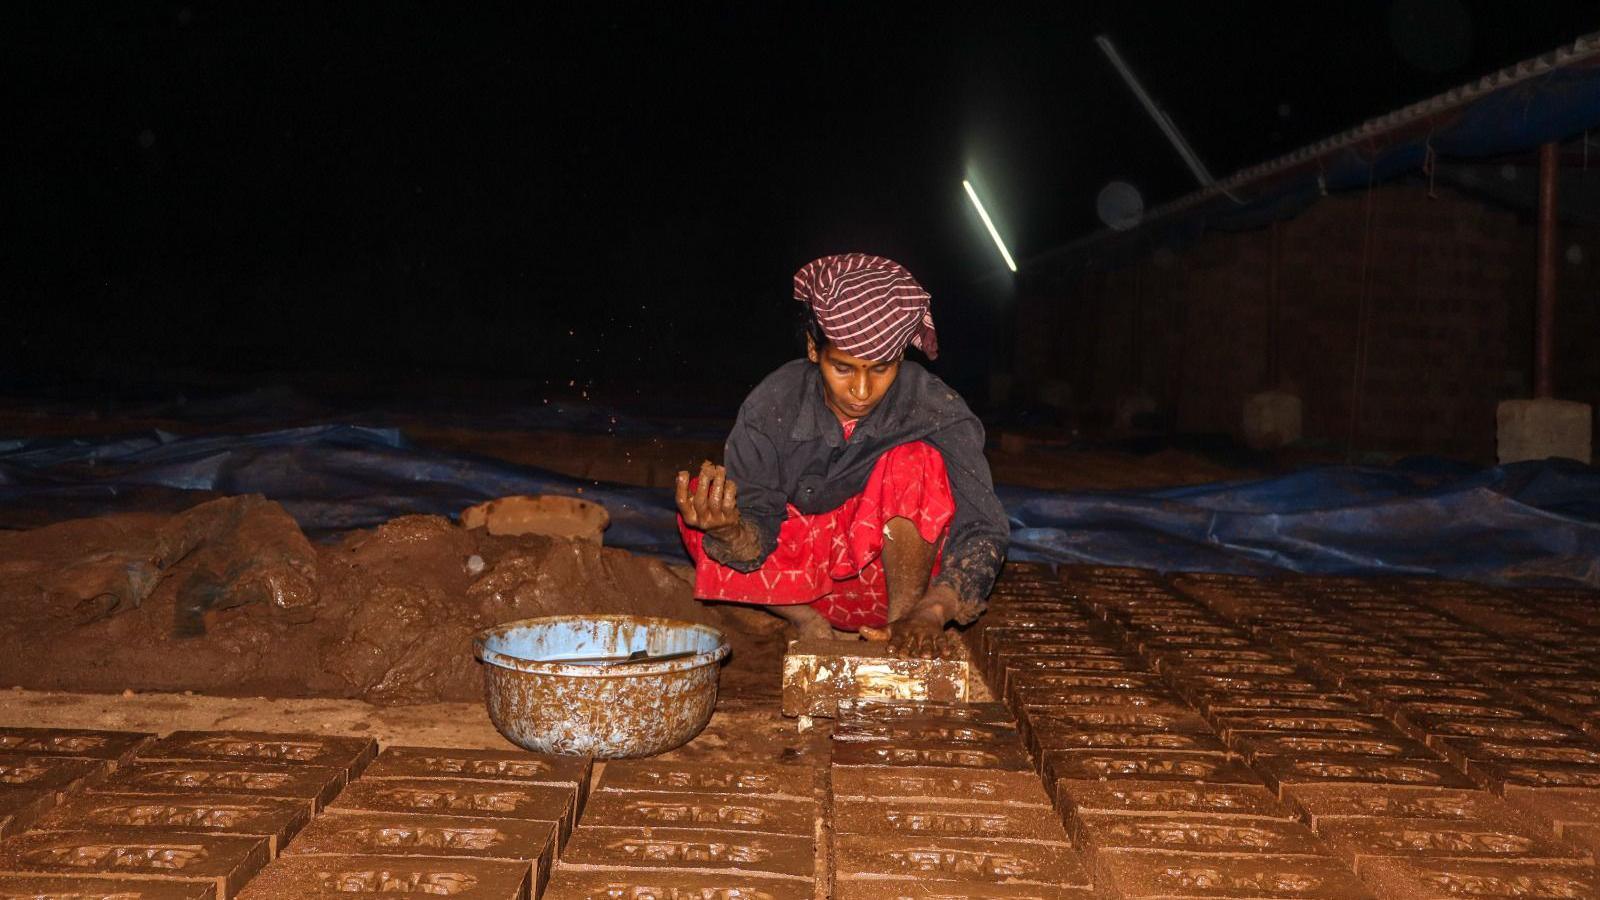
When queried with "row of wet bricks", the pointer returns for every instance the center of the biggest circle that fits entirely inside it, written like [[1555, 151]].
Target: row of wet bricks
[[1184, 737]]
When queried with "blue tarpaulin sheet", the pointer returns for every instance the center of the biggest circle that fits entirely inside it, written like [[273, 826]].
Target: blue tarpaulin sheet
[[1519, 524]]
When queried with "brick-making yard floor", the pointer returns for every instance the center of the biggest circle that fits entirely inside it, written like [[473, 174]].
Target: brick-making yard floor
[[1190, 736]]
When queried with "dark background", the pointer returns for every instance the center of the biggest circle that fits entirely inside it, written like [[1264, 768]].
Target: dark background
[[618, 195]]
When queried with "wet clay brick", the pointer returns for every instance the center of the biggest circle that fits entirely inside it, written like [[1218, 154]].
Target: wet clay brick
[[1035, 689], [868, 753], [224, 862], [730, 812], [488, 765], [317, 784], [1043, 740], [1135, 875], [1352, 724], [1317, 744], [922, 730], [886, 710], [1505, 777], [1009, 664], [933, 858], [1425, 879], [462, 797], [1198, 834], [1585, 836], [1176, 721], [1198, 641], [1562, 704], [1395, 693], [1007, 673], [1423, 715], [115, 747], [1062, 719], [1500, 729], [1491, 838], [275, 820], [1195, 800], [944, 819], [21, 807], [1041, 620], [999, 644], [939, 784], [1181, 619], [1373, 657], [348, 753], [1090, 638], [1415, 673], [55, 774], [1110, 681], [691, 848], [1505, 667], [69, 887], [1321, 803], [909, 889], [818, 674], [1283, 772], [343, 877], [1203, 690], [1459, 750], [1215, 705], [1404, 705], [1178, 659], [645, 884], [727, 778], [1032, 699], [1560, 807], [1159, 765], [1185, 667], [386, 834]]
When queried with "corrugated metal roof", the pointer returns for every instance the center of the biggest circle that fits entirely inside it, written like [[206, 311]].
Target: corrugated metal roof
[[1415, 117]]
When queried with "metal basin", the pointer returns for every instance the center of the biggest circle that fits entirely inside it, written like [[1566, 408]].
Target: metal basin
[[541, 703]]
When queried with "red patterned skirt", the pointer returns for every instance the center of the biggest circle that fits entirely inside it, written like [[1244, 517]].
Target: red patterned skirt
[[831, 561]]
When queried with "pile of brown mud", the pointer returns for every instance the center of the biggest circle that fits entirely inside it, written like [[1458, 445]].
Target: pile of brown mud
[[230, 598]]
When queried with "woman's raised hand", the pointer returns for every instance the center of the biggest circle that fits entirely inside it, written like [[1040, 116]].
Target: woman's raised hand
[[712, 504]]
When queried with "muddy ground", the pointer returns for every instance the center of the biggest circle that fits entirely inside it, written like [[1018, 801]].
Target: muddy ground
[[230, 598]]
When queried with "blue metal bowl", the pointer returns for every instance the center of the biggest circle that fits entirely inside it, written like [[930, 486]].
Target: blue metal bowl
[[542, 699]]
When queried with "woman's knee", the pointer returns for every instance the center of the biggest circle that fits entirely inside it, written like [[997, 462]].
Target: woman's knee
[[918, 458]]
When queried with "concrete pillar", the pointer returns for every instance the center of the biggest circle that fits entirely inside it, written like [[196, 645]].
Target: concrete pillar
[[1545, 427], [1133, 412], [1272, 419], [1542, 428]]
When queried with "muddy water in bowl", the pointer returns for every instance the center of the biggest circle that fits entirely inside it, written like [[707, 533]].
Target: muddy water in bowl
[[607, 686]]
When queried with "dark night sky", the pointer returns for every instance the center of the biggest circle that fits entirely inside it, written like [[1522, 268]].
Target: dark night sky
[[612, 192]]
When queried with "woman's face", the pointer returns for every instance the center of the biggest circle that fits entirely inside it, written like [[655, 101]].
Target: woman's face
[[852, 387]]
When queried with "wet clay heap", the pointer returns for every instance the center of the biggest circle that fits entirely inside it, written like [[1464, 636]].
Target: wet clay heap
[[230, 597]]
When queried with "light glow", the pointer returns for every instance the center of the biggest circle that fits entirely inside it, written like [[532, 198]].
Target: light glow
[[989, 224]]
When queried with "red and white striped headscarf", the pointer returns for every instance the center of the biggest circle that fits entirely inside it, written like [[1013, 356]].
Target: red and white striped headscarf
[[868, 306]]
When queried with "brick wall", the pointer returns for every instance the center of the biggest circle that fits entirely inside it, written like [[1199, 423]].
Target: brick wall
[[1449, 286]]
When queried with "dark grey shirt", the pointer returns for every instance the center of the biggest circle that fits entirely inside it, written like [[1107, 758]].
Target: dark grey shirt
[[788, 447]]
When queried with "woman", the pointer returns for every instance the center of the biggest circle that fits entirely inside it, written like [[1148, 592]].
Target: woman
[[855, 494]]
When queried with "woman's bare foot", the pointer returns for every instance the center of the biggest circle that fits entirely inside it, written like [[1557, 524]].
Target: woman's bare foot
[[808, 622], [919, 632]]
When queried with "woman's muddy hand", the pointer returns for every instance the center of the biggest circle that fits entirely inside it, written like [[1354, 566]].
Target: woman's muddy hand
[[711, 505]]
